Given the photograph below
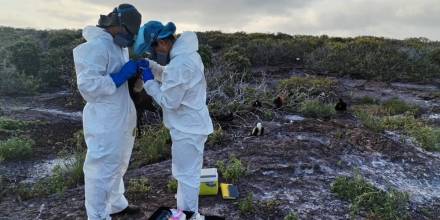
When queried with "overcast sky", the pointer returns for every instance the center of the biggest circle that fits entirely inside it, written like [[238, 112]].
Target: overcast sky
[[389, 18]]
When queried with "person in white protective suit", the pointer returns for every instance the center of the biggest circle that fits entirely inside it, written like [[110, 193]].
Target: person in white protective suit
[[177, 83], [109, 117]]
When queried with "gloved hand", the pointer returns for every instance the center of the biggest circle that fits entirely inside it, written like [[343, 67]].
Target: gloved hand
[[146, 74], [127, 71], [143, 63]]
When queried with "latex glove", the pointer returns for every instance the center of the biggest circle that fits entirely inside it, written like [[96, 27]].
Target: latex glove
[[127, 71], [143, 63], [155, 68], [146, 74]]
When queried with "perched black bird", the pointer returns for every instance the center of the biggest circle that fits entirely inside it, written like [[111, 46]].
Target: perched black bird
[[257, 104], [341, 106], [278, 102], [142, 101], [258, 131]]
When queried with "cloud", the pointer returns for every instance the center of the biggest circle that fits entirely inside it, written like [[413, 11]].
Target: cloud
[[389, 18]]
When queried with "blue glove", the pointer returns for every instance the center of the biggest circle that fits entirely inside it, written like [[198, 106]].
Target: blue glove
[[146, 74], [127, 71], [143, 63]]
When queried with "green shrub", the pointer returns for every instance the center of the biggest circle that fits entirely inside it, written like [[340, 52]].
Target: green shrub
[[363, 196], [368, 100], [155, 144], [232, 170], [25, 55], [426, 136], [206, 55], [237, 58], [15, 83], [370, 121], [216, 137], [374, 58], [291, 216], [246, 205], [299, 89], [172, 186], [397, 106], [12, 124], [139, 188], [16, 148], [64, 176], [315, 108]]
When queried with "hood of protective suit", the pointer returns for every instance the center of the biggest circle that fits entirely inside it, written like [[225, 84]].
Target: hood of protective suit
[[92, 32], [186, 43]]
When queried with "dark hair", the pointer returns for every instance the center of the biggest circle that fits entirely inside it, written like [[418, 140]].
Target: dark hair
[[170, 38]]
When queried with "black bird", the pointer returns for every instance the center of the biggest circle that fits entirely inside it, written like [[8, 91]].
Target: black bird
[[278, 102], [258, 131], [257, 104], [341, 106], [142, 101]]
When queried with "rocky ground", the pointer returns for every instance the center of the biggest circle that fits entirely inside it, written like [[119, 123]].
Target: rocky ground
[[294, 163]]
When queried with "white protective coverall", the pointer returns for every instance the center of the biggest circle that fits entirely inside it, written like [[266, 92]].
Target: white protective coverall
[[109, 121], [182, 96]]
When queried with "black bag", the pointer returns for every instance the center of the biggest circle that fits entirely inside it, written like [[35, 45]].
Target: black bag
[[163, 213]]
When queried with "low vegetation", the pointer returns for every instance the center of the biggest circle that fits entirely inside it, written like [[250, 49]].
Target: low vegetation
[[153, 145], [172, 185], [246, 205], [216, 138], [396, 106], [66, 175], [12, 124], [365, 197], [396, 115], [232, 170], [16, 148], [299, 89], [291, 216], [317, 109], [139, 188]]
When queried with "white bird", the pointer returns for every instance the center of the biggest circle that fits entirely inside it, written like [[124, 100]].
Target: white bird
[[258, 131]]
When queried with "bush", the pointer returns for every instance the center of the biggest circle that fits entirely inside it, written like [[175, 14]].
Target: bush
[[246, 205], [375, 58], [154, 144], [397, 106], [206, 55], [25, 56], [172, 186], [12, 124], [139, 188], [291, 216], [426, 136], [14, 83], [370, 121], [237, 59], [233, 170], [216, 137], [16, 148], [299, 89], [368, 100], [364, 196], [317, 109]]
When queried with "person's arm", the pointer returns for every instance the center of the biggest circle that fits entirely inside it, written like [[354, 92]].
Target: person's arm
[[170, 93], [91, 70], [157, 70]]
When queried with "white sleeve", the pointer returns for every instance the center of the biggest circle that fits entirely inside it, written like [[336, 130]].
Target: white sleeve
[[91, 72], [170, 93], [157, 70]]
